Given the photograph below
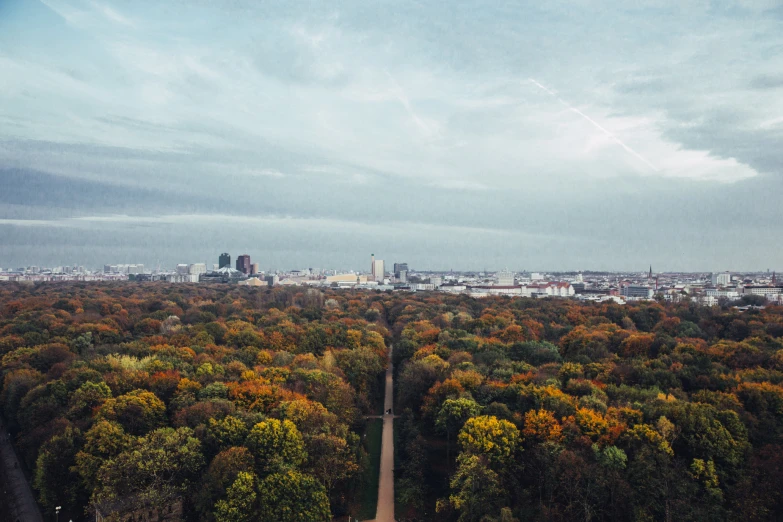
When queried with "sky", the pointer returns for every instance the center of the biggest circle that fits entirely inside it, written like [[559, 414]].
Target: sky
[[558, 135]]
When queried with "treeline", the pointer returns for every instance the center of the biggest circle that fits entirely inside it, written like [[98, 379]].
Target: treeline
[[228, 404], [520, 409]]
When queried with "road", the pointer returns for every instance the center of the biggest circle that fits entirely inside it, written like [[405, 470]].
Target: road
[[385, 510], [19, 495]]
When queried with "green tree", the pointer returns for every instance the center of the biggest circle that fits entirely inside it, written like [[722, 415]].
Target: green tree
[[222, 472], [276, 446], [227, 432], [452, 416], [139, 411], [476, 489], [155, 469], [89, 396], [331, 459], [240, 502], [103, 441], [55, 477], [293, 497]]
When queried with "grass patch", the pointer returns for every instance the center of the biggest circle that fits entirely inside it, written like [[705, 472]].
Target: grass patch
[[368, 497]]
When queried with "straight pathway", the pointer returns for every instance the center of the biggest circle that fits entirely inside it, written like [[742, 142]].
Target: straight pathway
[[20, 496], [385, 510]]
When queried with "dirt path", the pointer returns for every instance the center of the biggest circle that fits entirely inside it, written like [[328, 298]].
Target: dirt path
[[19, 495], [385, 511]]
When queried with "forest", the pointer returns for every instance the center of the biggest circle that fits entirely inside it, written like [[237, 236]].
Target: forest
[[226, 403]]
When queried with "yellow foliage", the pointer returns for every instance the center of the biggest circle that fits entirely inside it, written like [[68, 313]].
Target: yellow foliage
[[592, 423], [542, 426], [488, 435]]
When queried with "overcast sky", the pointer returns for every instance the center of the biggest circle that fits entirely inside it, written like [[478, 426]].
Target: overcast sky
[[587, 134]]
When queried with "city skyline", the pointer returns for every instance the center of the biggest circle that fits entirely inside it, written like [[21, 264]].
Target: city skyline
[[226, 259], [560, 135]]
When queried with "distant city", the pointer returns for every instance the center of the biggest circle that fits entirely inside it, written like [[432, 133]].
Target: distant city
[[707, 288]]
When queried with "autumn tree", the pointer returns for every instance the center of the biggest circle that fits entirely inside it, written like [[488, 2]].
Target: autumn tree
[[276, 446]]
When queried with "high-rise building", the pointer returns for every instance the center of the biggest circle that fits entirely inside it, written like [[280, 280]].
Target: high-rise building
[[378, 270], [400, 267], [254, 269], [182, 268], [197, 269], [224, 260], [721, 279], [243, 264]]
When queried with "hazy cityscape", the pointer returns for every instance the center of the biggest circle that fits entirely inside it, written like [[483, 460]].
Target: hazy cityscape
[[707, 288]]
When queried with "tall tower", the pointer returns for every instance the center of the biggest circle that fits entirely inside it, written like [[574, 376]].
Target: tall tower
[[224, 260], [649, 276], [372, 265], [243, 264]]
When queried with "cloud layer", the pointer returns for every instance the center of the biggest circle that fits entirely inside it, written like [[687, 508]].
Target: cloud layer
[[575, 134]]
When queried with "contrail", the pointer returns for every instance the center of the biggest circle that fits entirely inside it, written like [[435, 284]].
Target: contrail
[[402, 97], [598, 126]]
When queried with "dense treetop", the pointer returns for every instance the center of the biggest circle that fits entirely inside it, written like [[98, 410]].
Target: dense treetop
[[248, 404]]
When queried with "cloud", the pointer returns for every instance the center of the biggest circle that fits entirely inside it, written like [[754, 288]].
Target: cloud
[[767, 81], [113, 15], [407, 114]]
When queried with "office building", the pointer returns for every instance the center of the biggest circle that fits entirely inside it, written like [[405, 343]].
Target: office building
[[436, 281], [378, 270], [243, 264], [636, 292], [764, 290], [224, 260], [197, 268], [182, 268], [123, 269], [254, 269], [721, 279], [505, 278], [400, 267]]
